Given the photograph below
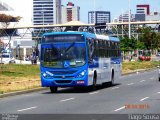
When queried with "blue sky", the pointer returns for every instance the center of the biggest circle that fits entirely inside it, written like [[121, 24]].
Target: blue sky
[[116, 7]]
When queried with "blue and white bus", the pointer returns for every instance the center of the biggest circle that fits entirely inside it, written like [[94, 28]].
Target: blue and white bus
[[72, 59]]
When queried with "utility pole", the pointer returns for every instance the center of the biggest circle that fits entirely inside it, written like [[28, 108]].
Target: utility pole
[[129, 18]]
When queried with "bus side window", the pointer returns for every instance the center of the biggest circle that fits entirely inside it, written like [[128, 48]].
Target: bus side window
[[106, 49], [100, 48], [118, 47], [103, 48], [96, 51], [109, 49], [90, 49], [113, 49]]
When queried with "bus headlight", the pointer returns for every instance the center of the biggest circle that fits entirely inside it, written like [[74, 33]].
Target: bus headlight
[[44, 75], [82, 73], [47, 74]]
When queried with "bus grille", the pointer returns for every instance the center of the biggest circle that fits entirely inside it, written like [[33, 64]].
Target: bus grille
[[63, 72], [65, 76], [63, 81]]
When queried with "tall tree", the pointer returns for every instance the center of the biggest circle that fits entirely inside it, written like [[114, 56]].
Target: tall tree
[[6, 19], [151, 39], [127, 44]]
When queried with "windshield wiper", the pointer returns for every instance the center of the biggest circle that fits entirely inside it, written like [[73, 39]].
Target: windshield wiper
[[68, 48]]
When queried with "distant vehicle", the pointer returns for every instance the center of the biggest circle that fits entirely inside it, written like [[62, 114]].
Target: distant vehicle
[[7, 57], [158, 54], [76, 59]]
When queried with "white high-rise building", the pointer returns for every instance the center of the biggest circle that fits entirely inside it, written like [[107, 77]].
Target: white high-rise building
[[70, 13], [46, 12]]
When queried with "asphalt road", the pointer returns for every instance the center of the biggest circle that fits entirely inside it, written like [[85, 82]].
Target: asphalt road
[[132, 94]]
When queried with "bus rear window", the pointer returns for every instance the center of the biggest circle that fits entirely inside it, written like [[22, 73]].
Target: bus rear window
[[62, 38]]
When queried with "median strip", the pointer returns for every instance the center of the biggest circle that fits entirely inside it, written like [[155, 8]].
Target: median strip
[[22, 92]]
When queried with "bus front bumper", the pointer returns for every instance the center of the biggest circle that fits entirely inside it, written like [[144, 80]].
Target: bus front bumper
[[64, 83]]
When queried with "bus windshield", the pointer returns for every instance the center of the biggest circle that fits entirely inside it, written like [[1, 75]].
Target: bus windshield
[[63, 55]]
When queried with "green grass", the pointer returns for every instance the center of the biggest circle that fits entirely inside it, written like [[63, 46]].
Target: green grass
[[1, 92], [139, 65], [21, 77], [13, 70]]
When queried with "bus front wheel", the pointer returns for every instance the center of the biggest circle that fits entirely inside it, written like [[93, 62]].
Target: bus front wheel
[[112, 78], [94, 82], [53, 89]]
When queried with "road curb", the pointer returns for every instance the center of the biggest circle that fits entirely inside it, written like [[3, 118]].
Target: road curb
[[139, 71], [41, 89], [22, 92]]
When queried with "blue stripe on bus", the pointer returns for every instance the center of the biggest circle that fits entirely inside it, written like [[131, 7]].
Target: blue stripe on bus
[[94, 63], [115, 60]]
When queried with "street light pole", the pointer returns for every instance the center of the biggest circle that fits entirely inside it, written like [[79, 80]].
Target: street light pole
[[122, 24], [94, 11], [129, 18], [43, 16]]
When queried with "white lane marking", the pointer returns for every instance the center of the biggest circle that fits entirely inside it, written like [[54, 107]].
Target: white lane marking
[[130, 84], [158, 92], [115, 88], [67, 99], [142, 80], [94, 93], [152, 78], [119, 109], [144, 99], [27, 109]]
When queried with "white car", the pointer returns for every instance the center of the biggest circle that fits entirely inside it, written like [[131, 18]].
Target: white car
[[7, 58]]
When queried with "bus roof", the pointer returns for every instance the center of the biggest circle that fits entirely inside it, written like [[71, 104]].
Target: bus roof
[[87, 34], [106, 37]]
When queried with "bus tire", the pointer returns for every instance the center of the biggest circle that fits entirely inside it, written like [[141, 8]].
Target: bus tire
[[112, 78], [94, 81], [53, 89]]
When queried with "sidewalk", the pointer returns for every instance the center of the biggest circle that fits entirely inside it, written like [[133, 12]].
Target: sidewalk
[[24, 62]]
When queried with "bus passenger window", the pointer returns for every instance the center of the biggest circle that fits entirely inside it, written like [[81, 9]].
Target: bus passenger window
[[91, 49]]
